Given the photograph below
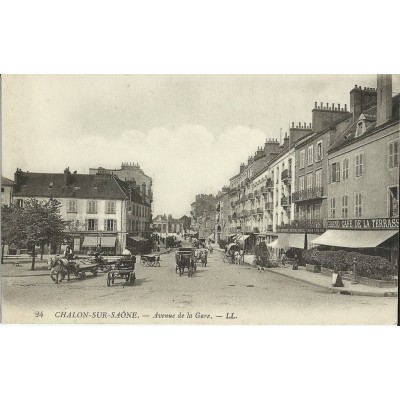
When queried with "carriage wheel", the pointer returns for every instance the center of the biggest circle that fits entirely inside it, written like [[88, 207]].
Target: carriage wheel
[[151, 263]]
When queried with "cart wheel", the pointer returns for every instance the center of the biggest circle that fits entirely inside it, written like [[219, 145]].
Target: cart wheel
[[151, 263]]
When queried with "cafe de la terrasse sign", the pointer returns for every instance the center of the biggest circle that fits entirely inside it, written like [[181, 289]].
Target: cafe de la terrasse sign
[[363, 224]]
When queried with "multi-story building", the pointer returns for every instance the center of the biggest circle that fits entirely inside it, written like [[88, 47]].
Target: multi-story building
[[222, 215], [132, 173], [310, 177], [102, 209], [363, 190], [7, 186], [242, 198], [168, 225]]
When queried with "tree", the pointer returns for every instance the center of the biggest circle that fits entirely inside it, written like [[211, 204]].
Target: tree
[[261, 254], [36, 224]]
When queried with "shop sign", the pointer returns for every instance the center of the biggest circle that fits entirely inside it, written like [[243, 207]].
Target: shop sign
[[363, 224]]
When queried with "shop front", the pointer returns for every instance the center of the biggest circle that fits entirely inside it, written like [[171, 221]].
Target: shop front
[[92, 242]]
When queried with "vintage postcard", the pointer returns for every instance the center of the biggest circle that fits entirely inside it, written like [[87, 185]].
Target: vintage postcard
[[200, 199]]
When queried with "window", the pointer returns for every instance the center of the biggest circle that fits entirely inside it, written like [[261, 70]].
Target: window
[[309, 181], [319, 150], [91, 206], [335, 172], [110, 224], [110, 207], [345, 169], [332, 209], [72, 206], [344, 206], [20, 203], [360, 128], [358, 210], [359, 164], [2, 190], [394, 202], [318, 178], [277, 175], [317, 211], [301, 212], [302, 158], [310, 155], [301, 183], [91, 224], [394, 154]]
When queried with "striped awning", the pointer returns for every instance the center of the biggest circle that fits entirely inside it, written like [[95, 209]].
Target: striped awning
[[104, 241]]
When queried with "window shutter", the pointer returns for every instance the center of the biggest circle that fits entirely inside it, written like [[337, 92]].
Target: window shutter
[[115, 225], [86, 225], [105, 224], [95, 225], [391, 155], [362, 160], [337, 172]]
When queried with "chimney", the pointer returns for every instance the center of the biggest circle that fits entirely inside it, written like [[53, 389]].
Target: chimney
[[67, 176], [17, 177], [241, 167], [360, 100], [384, 107], [286, 140]]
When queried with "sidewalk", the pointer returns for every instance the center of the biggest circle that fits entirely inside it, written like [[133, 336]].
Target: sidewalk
[[323, 281]]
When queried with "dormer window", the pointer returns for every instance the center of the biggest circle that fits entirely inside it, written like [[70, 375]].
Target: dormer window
[[51, 185], [361, 126]]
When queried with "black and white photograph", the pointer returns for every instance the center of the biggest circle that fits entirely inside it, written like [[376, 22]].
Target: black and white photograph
[[200, 199]]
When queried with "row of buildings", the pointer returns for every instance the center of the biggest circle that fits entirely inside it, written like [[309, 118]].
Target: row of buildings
[[165, 225], [331, 182], [110, 208]]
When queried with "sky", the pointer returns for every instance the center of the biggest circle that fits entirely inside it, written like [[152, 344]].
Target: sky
[[188, 132]]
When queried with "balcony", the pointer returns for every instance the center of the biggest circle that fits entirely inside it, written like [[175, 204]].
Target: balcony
[[260, 210], [308, 194], [269, 184], [286, 176], [269, 206], [301, 225], [286, 201]]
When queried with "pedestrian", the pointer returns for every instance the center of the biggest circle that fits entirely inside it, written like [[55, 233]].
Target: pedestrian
[[158, 248], [68, 253], [295, 263], [284, 257]]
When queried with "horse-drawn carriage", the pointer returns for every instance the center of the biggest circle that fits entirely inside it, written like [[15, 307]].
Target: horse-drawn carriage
[[232, 254], [150, 260], [61, 267], [201, 256], [185, 258], [124, 268]]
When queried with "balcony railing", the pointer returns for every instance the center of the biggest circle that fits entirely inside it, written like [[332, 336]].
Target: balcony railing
[[308, 194], [286, 176], [269, 184], [286, 201], [260, 210], [269, 206], [312, 225]]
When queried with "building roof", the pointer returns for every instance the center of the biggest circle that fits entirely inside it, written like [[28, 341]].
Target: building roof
[[349, 135], [32, 184], [6, 182], [314, 135]]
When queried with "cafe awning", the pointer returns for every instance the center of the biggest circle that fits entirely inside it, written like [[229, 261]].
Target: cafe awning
[[138, 238], [273, 244], [241, 239], [104, 241], [296, 240], [354, 239]]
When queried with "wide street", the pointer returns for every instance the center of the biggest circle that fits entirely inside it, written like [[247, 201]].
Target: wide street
[[160, 295]]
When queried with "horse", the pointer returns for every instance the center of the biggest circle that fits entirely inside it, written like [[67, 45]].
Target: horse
[[181, 263], [58, 267], [191, 267]]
